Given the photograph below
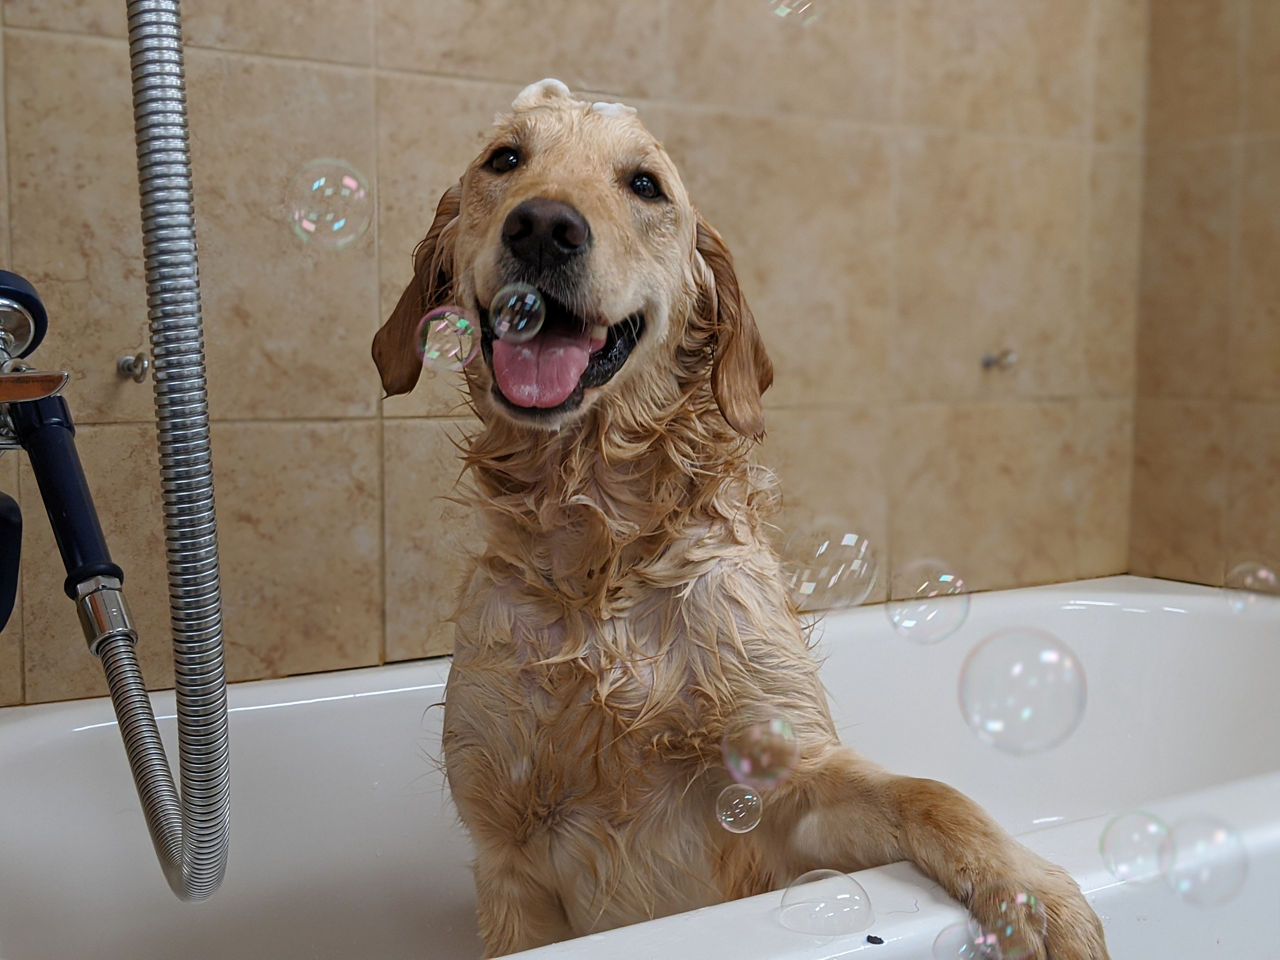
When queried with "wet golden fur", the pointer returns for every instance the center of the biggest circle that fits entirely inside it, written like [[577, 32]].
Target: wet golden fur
[[626, 608]]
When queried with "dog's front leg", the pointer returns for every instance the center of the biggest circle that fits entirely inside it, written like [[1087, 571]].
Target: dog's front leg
[[516, 909], [839, 810]]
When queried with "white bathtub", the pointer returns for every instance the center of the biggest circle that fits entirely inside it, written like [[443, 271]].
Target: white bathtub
[[345, 844]]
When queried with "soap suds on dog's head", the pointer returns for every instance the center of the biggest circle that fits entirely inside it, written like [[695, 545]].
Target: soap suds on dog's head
[[549, 90]]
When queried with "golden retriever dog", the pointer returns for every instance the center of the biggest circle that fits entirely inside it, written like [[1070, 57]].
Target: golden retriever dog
[[626, 608]]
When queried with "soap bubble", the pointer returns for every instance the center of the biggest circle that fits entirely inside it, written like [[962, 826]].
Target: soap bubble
[[446, 339], [957, 943], [761, 755], [1022, 690], [1204, 861], [828, 569], [516, 313], [739, 808], [1020, 924], [1131, 845], [329, 203], [825, 903], [802, 12], [927, 601], [1251, 583]]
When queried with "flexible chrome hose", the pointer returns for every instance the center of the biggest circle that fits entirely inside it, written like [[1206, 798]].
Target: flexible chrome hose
[[190, 828]]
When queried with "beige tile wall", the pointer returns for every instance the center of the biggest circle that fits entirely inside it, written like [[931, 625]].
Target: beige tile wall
[[1207, 452], [906, 185]]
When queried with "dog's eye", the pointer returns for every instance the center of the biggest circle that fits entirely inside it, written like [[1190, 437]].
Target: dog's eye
[[503, 159], [645, 185]]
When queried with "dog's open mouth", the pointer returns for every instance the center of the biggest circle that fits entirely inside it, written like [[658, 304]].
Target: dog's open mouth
[[549, 373]]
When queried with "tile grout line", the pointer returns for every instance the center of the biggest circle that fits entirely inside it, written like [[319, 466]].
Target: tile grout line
[[377, 268], [21, 606], [895, 293], [1236, 239], [1085, 239]]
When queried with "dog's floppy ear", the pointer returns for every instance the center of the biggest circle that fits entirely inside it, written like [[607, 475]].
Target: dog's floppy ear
[[740, 369], [432, 285]]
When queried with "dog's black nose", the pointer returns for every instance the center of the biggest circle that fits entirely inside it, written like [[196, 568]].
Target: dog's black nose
[[545, 233]]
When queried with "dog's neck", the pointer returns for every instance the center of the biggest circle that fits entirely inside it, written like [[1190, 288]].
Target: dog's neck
[[581, 513]]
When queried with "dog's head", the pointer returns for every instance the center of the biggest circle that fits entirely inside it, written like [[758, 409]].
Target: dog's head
[[580, 201]]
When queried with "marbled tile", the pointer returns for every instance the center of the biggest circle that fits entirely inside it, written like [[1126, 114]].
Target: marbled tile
[[1193, 87], [998, 66], [990, 241], [1179, 489], [830, 465], [1119, 70], [987, 487], [4, 169], [336, 31], [1109, 324], [1254, 343], [121, 469], [1253, 510], [811, 232], [298, 514], [99, 17], [429, 540], [1099, 470], [1262, 68], [429, 130], [1185, 298], [74, 212], [740, 53], [11, 636], [585, 43], [288, 323], [340, 31]]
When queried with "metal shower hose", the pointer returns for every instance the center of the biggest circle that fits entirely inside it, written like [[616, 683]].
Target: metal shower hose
[[190, 831]]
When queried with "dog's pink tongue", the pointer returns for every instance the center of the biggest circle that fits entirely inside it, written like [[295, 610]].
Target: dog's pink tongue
[[542, 372]]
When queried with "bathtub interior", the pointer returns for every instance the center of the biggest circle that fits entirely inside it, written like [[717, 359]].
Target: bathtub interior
[[345, 843]]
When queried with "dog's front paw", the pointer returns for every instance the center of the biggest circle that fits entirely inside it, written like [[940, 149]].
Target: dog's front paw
[[1045, 918]]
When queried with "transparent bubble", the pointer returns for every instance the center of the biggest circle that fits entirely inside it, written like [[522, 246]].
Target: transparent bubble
[[957, 943], [827, 568], [825, 903], [1022, 690], [1204, 861], [801, 12], [739, 808], [928, 601], [516, 313], [329, 203], [1251, 584], [1131, 845], [446, 339], [1019, 924], [761, 755]]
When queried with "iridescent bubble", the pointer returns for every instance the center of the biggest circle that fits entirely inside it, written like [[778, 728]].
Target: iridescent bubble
[[1131, 844], [801, 12], [516, 313], [956, 943], [928, 601], [739, 808], [446, 339], [829, 568], [1018, 925], [825, 903], [329, 203], [1204, 861], [1250, 584], [761, 755], [1022, 690]]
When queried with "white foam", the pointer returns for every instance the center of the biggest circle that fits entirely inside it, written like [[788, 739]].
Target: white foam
[[617, 110], [535, 93]]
